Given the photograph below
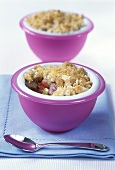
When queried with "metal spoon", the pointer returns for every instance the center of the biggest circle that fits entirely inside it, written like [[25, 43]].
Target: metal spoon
[[28, 145]]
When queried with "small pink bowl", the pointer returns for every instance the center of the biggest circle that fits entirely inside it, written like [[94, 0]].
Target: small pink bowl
[[56, 47], [56, 115]]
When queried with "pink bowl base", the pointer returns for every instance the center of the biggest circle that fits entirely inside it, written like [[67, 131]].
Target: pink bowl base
[[55, 49], [55, 118]]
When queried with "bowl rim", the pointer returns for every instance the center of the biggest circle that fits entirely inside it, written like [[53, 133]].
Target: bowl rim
[[92, 96], [53, 36], [92, 75]]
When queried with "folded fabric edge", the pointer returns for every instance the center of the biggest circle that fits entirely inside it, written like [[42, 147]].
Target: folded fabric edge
[[80, 155]]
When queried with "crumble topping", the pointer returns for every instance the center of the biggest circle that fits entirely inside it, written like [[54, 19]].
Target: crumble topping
[[56, 21], [63, 80]]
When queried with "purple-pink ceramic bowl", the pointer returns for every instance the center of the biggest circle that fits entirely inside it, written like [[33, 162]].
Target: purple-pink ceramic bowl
[[58, 114], [56, 47]]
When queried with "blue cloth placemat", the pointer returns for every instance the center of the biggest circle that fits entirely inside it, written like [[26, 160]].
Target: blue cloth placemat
[[96, 128]]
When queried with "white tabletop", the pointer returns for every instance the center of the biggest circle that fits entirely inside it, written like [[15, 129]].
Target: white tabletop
[[98, 53]]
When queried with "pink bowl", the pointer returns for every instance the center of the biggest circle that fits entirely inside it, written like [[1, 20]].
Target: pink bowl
[[56, 47], [57, 115]]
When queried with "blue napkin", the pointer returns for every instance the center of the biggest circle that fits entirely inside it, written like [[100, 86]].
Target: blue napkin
[[96, 128]]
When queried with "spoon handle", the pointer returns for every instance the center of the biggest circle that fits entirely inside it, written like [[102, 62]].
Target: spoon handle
[[89, 146]]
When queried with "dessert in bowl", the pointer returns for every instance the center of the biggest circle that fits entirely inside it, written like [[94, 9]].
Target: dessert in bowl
[[55, 35], [60, 112]]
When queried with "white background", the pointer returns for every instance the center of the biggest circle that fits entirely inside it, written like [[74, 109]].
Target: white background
[[98, 53]]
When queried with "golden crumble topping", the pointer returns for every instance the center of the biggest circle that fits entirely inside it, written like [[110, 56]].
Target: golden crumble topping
[[63, 80], [56, 21]]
